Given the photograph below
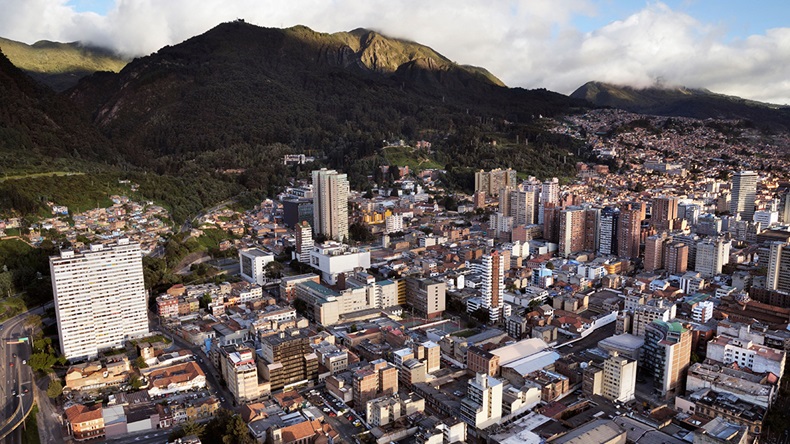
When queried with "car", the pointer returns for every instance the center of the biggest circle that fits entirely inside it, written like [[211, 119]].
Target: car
[[13, 355], [221, 399], [11, 364], [326, 410], [357, 423], [24, 390], [350, 418], [24, 361], [332, 414]]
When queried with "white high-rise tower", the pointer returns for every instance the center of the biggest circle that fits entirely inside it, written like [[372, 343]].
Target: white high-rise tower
[[100, 298], [330, 204]]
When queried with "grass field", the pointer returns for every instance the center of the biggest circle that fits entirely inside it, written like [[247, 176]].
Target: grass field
[[10, 307], [47, 174], [403, 155]]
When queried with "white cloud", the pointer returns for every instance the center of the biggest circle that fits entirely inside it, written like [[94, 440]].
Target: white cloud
[[529, 43]]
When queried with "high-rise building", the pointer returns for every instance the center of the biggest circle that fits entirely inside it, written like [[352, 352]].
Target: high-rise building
[[644, 315], [522, 207], [550, 216], [393, 223], [592, 229], [100, 298], [744, 190], [241, 374], [330, 204], [304, 242], [297, 210], [654, 251], [784, 206], [664, 212], [691, 241], [629, 229], [287, 359], [493, 286], [779, 267], [377, 379], [482, 406], [676, 256], [607, 237], [619, 378], [712, 255], [667, 353], [550, 191], [571, 231], [479, 199], [495, 180]]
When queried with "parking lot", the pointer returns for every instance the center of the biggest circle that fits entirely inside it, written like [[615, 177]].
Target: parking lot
[[342, 418]]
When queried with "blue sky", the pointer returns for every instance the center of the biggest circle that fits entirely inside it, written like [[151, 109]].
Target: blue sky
[[728, 46]]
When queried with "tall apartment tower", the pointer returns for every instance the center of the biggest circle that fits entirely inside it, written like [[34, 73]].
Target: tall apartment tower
[[712, 255], [607, 240], [592, 229], [304, 242], [287, 359], [779, 267], [676, 256], [482, 406], [330, 204], [493, 287], [100, 298], [571, 232], [522, 207], [629, 229], [744, 189], [549, 195], [664, 213], [550, 216], [654, 251], [493, 181], [667, 353], [619, 381]]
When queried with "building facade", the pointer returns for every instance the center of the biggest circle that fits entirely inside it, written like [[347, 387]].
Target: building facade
[[330, 204]]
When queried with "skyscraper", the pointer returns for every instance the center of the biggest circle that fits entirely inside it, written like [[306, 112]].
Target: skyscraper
[[779, 267], [664, 213], [629, 229], [304, 242], [607, 236], [571, 231], [667, 353], [330, 204], [676, 256], [493, 181], [712, 255], [654, 251], [744, 189], [592, 229], [493, 287], [522, 207], [100, 298]]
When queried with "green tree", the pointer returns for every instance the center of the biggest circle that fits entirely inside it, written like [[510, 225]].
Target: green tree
[[140, 362], [55, 389], [41, 362], [33, 321], [273, 270], [481, 314], [136, 383]]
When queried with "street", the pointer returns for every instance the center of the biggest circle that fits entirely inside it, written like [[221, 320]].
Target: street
[[17, 385]]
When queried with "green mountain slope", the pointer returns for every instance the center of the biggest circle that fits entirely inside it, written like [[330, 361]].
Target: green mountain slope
[[684, 102], [59, 65], [335, 95]]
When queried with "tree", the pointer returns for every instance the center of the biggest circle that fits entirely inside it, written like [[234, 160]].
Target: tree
[[205, 300], [55, 389], [189, 428], [360, 233], [42, 362], [481, 314], [136, 383], [33, 321], [140, 362], [273, 270]]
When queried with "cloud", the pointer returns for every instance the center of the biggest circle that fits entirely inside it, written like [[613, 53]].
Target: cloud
[[528, 43]]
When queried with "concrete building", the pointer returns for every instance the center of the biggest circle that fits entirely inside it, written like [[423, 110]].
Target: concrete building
[[607, 240], [600, 431], [676, 255], [333, 258], [241, 375], [666, 355], [493, 285], [100, 298], [654, 251], [644, 315], [492, 182], [393, 224], [664, 212], [779, 267], [712, 255], [619, 378], [287, 359], [571, 231], [744, 190], [744, 352], [330, 204], [252, 265], [304, 242], [377, 379], [629, 228], [522, 207], [426, 296], [482, 406]]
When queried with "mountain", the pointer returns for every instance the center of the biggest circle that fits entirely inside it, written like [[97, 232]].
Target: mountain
[[59, 65], [684, 102], [38, 126], [242, 87]]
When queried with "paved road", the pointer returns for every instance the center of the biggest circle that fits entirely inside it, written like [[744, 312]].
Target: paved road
[[16, 378]]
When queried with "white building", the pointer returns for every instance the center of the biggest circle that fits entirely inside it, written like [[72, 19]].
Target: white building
[[482, 406], [712, 255], [394, 223], [702, 312], [743, 351], [744, 190], [619, 378], [252, 262], [100, 298], [333, 258], [304, 242], [766, 218], [330, 204], [691, 282]]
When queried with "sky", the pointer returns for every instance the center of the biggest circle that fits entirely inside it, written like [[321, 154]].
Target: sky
[[734, 47]]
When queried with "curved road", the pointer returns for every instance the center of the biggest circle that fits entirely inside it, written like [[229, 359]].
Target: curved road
[[15, 379]]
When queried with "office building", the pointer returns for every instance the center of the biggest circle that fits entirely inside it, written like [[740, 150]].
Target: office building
[[645, 314], [629, 228], [241, 374], [666, 355], [426, 296], [744, 190], [619, 378], [296, 211], [379, 378], [571, 231], [607, 240], [304, 242], [482, 406], [521, 207], [252, 265], [332, 259], [712, 255], [100, 298], [330, 204], [592, 229], [287, 359]]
